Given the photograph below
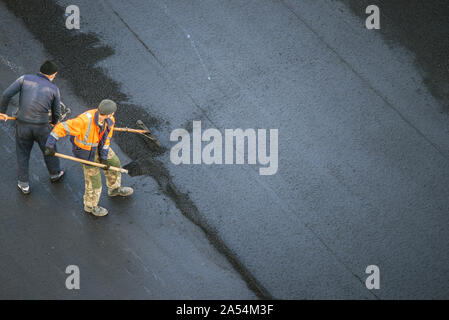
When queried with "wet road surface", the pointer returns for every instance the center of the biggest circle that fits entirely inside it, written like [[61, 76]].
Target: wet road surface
[[363, 152]]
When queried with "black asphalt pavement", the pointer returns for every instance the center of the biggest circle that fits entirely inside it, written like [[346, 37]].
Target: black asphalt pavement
[[363, 150]]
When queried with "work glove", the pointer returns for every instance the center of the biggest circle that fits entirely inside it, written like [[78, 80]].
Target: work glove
[[50, 152], [106, 163]]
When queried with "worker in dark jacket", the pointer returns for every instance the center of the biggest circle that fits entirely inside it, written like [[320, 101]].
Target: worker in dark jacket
[[38, 96]]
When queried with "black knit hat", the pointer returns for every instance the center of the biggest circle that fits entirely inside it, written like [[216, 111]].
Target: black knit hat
[[49, 68]]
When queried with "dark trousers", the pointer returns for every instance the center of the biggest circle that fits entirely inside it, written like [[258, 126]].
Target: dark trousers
[[26, 135]]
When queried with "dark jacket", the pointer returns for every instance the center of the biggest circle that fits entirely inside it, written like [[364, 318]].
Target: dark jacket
[[38, 96]]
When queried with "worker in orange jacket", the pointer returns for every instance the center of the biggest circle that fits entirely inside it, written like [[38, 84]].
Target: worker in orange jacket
[[90, 134]]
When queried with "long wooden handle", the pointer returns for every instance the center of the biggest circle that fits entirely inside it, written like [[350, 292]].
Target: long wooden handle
[[95, 164], [115, 129], [130, 130], [146, 133]]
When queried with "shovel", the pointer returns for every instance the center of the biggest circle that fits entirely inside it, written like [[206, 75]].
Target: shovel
[[65, 111], [95, 164], [144, 131]]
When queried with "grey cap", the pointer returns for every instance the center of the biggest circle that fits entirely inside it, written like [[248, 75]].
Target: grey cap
[[107, 106]]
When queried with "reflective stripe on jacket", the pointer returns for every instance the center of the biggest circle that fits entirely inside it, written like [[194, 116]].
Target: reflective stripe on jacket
[[85, 135]]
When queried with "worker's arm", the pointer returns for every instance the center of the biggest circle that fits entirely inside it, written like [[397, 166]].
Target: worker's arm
[[10, 92], [56, 107], [70, 127]]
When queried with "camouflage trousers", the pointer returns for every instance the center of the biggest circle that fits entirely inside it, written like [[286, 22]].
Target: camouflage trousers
[[92, 179]]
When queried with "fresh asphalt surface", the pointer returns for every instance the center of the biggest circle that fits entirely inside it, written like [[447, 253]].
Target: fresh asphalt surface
[[363, 174]]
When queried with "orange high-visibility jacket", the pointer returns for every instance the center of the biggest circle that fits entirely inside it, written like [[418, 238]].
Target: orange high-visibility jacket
[[85, 135]]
